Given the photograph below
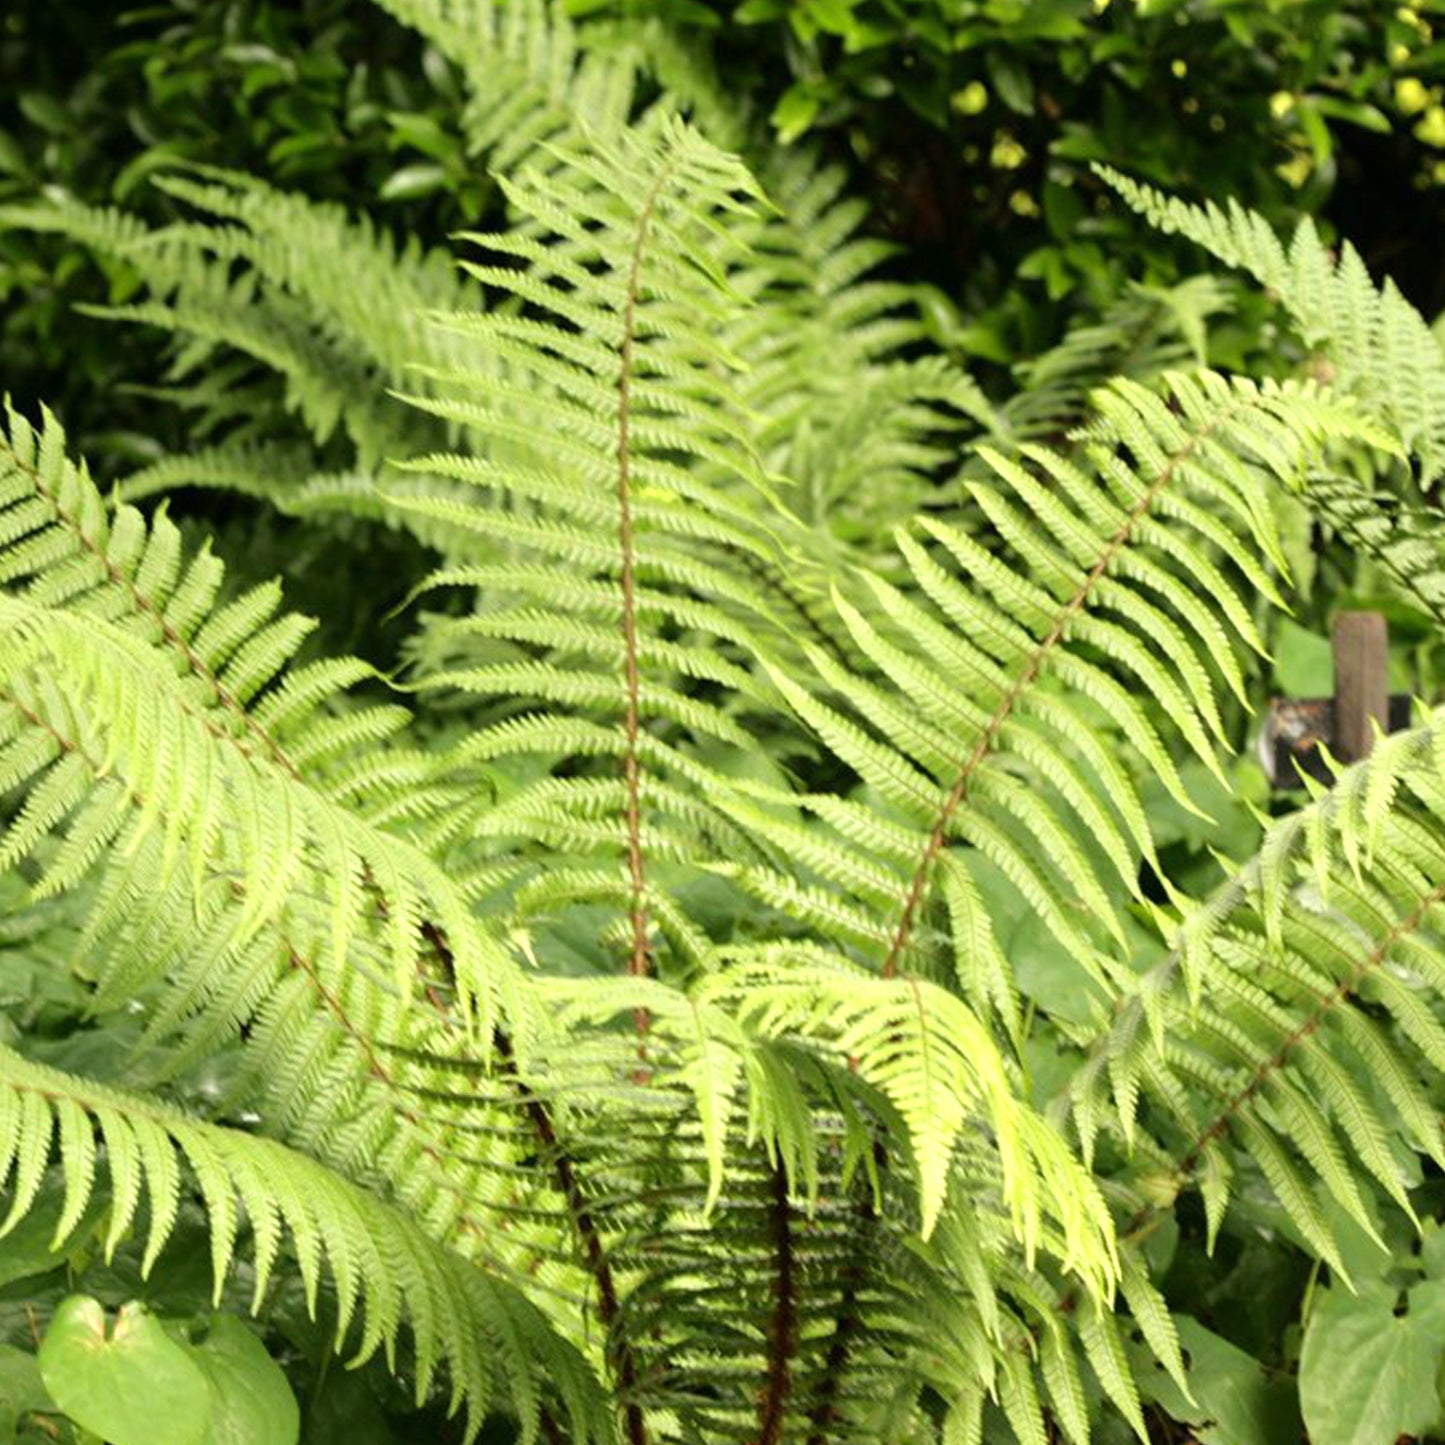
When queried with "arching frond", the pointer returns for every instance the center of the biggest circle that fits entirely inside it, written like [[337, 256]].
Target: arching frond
[[1124, 575], [384, 1273], [1315, 1032], [1371, 344], [322, 300], [66, 549]]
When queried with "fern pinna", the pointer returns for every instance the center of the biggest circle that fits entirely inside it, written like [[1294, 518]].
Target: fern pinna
[[635, 1035]]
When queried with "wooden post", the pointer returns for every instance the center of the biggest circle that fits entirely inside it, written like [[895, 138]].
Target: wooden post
[[1362, 692]]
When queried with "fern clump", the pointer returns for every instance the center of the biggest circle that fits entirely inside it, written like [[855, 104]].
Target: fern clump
[[630, 1007]]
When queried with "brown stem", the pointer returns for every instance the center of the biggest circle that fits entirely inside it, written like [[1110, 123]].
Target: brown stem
[[609, 1309], [783, 1327], [849, 1326]]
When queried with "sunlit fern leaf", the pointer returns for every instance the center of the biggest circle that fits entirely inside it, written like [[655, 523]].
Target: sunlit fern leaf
[[1125, 573], [298, 287], [66, 548], [800, 1255], [639, 492], [770, 1192], [109, 711], [705, 1047], [391, 1093], [1380, 348], [834, 405], [933, 1059]]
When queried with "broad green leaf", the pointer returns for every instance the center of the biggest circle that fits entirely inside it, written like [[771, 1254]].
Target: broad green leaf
[[135, 1386], [251, 1401], [1236, 1401], [1367, 1375], [1303, 663], [22, 1391]]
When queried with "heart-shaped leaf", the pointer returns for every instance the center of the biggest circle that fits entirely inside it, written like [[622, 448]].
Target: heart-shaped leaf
[[136, 1386], [251, 1400]]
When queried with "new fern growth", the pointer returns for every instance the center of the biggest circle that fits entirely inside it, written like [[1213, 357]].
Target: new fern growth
[[628, 1035]]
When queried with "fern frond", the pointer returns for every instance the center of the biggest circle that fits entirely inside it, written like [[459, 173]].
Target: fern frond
[[363, 290], [1151, 536], [641, 482], [831, 403], [529, 81], [936, 1063], [1379, 346], [1370, 343], [94, 725], [384, 1272], [294, 307], [216, 812], [1315, 970]]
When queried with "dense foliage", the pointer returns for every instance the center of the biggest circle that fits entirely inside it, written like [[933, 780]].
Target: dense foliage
[[751, 912], [975, 123]]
